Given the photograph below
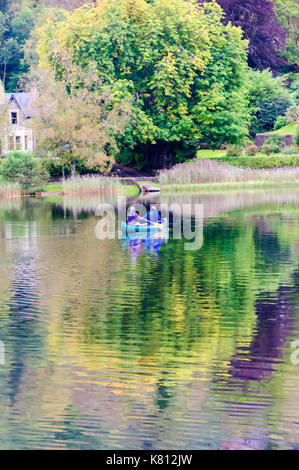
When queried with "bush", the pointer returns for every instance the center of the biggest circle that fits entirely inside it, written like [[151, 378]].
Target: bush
[[272, 161], [280, 122], [289, 150], [56, 170], [275, 142], [266, 116], [297, 136], [251, 150], [234, 151], [266, 149], [23, 168], [268, 99]]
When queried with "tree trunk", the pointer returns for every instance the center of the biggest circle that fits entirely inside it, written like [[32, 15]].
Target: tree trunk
[[73, 166]]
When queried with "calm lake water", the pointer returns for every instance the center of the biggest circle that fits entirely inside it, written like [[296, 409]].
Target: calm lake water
[[112, 344]]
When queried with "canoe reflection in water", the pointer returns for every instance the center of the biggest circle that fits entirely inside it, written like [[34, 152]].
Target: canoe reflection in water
[[143, 244]]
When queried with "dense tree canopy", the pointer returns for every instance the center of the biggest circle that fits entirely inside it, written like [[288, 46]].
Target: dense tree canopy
[[288, 15], [182, 69], [181, 65], [268, 98], [17, 21], [14, 30], [78, 124], [261, 27]]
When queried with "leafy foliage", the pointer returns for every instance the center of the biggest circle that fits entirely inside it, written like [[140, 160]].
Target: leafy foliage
[[297, 135], [181, 68], [269, 98], [288, 15], [18, 19], [289, 150], [267, 149], [23, 168], [251, 150], [275, 142], [14, 30], [76, 124], [234, 151], [265, 161], [261, 27], [292, 114], [280, 122]]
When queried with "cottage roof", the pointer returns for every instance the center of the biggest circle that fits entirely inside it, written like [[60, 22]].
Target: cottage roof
[[24, 100]]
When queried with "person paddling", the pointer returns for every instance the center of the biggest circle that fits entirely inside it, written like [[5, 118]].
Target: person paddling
[[153, 215], [133, 217]]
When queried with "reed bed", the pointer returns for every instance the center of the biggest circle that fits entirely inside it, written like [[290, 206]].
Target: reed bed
[[95, 184], [203, 171], [10, 190]]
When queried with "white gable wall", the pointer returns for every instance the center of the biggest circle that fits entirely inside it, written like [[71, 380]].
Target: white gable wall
[[19, 135]]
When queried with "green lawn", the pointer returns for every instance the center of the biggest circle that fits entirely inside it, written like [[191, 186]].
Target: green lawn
[[130, 190], [52, 188], [289, 129], [210, 153]]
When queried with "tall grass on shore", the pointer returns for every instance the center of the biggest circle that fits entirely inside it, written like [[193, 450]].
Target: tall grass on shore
[[95, 184], [203, 171], [10, 190]]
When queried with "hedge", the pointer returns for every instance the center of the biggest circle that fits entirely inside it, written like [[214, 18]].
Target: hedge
[[267, 161]]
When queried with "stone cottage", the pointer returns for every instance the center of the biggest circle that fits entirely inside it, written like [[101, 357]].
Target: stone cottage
[[19, 134]]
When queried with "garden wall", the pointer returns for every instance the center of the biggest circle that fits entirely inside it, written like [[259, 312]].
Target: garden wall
[[288, 139]]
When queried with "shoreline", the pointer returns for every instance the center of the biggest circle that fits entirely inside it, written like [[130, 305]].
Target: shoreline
[[246, 185], [131, 190]]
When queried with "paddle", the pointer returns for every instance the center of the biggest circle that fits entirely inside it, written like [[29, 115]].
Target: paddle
[[155, 224], [149, 221]]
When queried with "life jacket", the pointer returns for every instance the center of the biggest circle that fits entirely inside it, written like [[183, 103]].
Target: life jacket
[[131, 217]]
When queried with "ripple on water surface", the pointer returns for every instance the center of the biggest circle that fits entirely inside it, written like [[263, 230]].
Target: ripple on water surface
[[113, 345]]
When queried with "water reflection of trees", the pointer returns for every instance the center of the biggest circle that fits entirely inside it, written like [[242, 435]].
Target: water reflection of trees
[[146, 340]]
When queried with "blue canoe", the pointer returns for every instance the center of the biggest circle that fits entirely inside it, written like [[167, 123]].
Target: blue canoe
[[144, 228]]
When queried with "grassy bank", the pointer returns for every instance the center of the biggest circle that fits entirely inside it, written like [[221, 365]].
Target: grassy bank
[[206, 153], [288, 129], [9, 190], [129, 190], [262, 161], [211, 172], [52, 188], [88, 185]]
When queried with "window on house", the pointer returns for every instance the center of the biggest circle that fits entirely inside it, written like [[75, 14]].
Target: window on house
[[26, 142], [18, 142], [11, 142], [14, 118]]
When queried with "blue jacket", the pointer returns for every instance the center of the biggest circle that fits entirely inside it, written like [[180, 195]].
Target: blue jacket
[[153, 216]]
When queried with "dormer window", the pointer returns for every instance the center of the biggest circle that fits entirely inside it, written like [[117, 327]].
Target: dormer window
[[14, 118]]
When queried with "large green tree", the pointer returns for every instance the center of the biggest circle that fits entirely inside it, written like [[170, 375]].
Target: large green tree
[[17, 22], [77, 123], [15, 28], [181, 68], [288, 15]]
